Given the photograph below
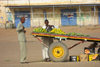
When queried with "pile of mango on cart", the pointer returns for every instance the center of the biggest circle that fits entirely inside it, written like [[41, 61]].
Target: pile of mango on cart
[[58, 51]]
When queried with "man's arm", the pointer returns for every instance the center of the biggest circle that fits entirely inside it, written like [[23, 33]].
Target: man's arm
[[52, 26], [20, 28]]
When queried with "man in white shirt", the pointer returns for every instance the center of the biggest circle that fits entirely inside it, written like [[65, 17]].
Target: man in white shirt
[[47, 40]]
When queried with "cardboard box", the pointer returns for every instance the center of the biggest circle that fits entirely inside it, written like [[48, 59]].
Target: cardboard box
[[84, 57]]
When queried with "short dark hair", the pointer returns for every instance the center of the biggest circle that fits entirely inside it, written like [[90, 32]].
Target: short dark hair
[[22, 18], [46, 21]]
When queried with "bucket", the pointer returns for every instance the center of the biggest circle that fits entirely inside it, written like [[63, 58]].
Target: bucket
[[74, 58]]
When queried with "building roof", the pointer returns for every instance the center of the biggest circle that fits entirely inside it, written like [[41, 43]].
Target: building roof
[[48, 2]]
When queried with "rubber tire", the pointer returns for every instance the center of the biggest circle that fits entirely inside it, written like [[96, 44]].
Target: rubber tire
[[66, 52]]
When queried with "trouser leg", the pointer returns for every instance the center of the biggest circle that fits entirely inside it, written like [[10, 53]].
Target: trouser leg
[[46, 41], [45, 52], [22, 51]]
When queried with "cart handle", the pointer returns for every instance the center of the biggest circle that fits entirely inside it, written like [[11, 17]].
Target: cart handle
[[42, 42], [76, 45]]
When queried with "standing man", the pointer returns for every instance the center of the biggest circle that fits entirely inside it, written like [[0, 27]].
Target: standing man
[[47, 41], [22, 40]]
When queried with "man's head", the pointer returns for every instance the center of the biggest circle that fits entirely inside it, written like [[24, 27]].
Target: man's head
[[22, 19], [46, 22]]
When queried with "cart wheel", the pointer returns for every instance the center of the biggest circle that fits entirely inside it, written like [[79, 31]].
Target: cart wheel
[[58, 52]]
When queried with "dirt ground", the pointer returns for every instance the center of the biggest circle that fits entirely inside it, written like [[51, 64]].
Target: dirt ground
[[9, 48]]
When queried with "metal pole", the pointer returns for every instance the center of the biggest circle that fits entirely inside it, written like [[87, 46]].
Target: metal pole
[[80, 16], [45, 14], [29, 2], [32, 15], [31, 11], [54, 14], [7, 2], [70, 1], [7, 11], [94, 15]]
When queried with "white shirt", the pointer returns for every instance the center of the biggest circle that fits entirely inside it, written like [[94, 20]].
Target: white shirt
[[44, 27]]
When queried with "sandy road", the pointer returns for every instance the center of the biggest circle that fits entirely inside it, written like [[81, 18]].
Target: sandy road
[[9, 49]]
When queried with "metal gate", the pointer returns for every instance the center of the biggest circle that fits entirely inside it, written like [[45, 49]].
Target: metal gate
[[68, 17], [19, 14]]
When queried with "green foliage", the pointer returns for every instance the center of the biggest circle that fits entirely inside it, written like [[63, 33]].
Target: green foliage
[[58, 31], [39, 30], [76, 34]]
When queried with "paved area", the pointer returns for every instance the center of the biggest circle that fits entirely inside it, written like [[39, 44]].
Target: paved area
[[9, 48]]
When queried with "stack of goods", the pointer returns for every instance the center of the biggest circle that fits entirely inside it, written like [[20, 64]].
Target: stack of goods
[[58, 31], [53, 31], [89, 55], [77, 34], [83, 57], [39, 30], [74, 58]]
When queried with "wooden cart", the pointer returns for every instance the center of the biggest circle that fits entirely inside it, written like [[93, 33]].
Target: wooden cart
[[58, 51]]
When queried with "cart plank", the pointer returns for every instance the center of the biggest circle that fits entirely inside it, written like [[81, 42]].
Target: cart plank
[[93, 39]]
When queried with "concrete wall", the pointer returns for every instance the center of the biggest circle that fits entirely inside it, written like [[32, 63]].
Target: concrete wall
[[86, 17], [39, 17], [2, 15]]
